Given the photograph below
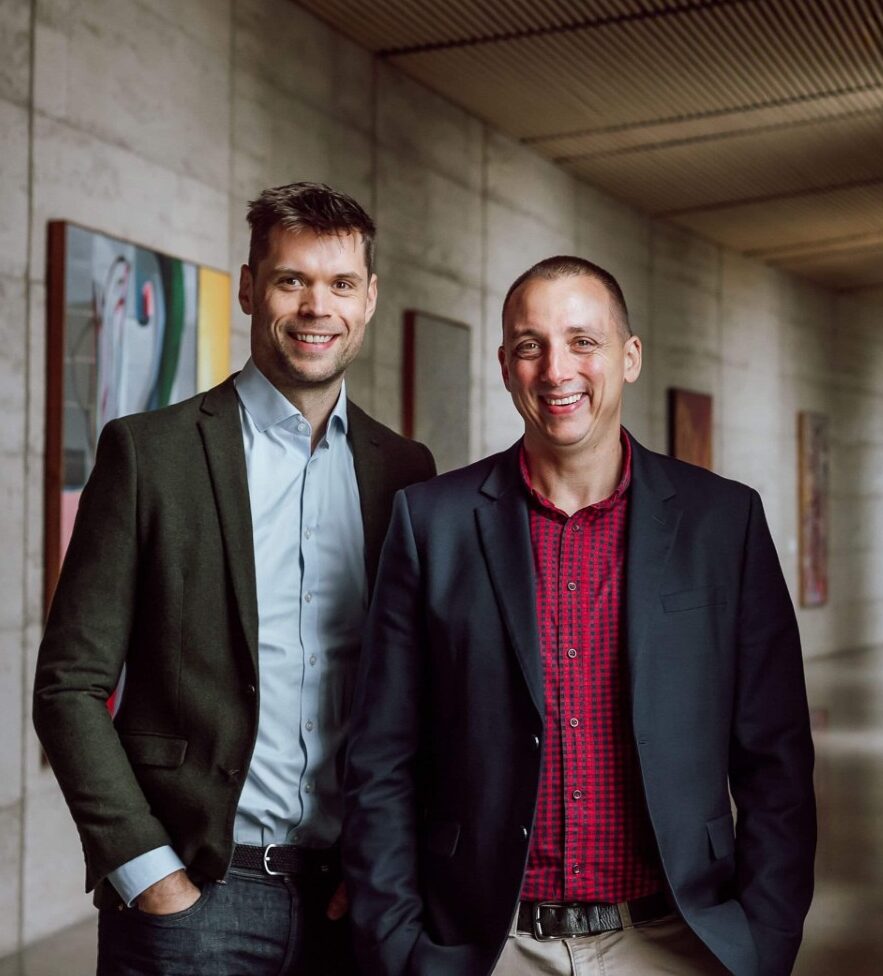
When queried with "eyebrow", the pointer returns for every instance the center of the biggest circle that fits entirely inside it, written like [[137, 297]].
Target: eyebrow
[[281, 272], [529, 331]]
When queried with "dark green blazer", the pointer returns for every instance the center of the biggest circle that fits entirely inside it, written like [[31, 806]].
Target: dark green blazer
[[160, 576]]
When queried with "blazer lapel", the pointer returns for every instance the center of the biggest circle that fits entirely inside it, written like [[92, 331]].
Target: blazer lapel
[[372, 479], [221, 431], [504, 529], [653, 521]]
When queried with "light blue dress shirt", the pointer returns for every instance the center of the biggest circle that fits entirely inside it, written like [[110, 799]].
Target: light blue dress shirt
[[312, 598]]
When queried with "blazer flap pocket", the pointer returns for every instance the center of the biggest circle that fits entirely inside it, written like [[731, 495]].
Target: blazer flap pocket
[[701, 596], [442, 837], [154, 749], [721, 835]]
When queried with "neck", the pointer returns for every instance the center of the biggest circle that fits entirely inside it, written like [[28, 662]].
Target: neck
[[574, 478]]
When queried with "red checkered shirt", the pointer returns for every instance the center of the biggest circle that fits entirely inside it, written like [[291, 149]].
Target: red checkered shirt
[[592, 839]]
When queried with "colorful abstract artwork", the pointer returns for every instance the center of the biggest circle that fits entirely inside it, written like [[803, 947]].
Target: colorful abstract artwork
[[129, 329], [813, 470], [690, 428], [436, 383]]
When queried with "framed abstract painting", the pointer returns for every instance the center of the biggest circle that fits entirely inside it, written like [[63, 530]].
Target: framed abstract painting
[[128, 329], [436, 382], [813, 458], [690, 427]]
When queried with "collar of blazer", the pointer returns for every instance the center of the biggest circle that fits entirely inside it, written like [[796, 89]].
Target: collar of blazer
[[377, 477], [221, 430], [504, 530]]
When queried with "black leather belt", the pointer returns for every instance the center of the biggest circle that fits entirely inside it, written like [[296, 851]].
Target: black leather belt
[[285, 859], [551, 920]]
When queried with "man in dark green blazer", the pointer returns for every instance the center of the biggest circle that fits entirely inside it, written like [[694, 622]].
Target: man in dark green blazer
[[223, 553]]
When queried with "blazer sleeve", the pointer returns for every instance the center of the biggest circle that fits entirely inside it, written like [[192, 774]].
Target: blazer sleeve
[[79, 663], [380, 829], [771, 758]]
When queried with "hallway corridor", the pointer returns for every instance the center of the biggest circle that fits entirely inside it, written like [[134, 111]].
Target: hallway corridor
[[844, 932], [844, 935]]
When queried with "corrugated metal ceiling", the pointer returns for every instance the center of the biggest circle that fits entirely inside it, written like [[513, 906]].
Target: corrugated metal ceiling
[[756, 123]]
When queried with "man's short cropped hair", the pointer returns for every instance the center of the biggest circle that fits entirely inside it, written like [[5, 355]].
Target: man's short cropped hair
[[310, 206], [568, 266]]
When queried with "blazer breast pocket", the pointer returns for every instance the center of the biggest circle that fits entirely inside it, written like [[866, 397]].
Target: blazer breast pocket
[[154, 749], [700, 596]]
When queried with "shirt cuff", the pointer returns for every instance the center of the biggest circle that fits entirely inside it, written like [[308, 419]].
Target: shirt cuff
[[137, 875]]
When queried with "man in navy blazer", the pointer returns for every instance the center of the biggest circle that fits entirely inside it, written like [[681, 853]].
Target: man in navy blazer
[[581, 661]]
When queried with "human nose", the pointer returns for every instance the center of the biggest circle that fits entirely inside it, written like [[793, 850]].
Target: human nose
[[314, 302], [556, 366]]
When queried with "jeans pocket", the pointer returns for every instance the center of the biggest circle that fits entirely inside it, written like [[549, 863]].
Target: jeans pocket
[[174, 918]]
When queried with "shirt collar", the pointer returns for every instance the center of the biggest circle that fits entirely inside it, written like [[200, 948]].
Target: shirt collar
[[609, 502], [267, 406]]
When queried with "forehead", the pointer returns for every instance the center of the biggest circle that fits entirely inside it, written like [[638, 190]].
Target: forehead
[[541, 305], [304, 248]]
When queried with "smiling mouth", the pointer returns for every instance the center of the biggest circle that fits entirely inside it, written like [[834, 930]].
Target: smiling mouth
[[563, 401], [312, 338]]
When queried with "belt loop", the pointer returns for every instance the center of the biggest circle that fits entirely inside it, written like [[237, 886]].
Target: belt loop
[[625, 915]]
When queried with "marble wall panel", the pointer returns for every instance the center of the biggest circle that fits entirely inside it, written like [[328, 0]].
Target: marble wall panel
[[516, 240], [77, 177], [523, 181], [418, 126], [15, 51], [53, 876], [14, 122], [426, 219], [10, 871], [302, 57], [131, 79]]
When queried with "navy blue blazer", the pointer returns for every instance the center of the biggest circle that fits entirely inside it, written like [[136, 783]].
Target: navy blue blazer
[[446, 742]]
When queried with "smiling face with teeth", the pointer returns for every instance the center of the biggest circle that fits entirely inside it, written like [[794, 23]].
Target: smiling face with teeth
[[309, 299], [565, 360]]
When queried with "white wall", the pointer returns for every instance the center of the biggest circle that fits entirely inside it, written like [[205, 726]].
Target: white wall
[[156, 121]]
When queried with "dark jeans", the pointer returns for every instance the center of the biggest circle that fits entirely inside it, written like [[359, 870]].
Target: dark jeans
[[250, 925]]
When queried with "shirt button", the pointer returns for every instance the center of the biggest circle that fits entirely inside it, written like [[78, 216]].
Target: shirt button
[[308, 725], [308, 597], [308, 788], [576, 869], [307, 533], [301, 427], [577, 794], [571, 586], [312, 659], [576, 527], [571, 652], [574, 722], [295, 837]]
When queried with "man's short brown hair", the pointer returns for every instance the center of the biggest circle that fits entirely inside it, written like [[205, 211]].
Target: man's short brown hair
[[311, 206], [568, 266]]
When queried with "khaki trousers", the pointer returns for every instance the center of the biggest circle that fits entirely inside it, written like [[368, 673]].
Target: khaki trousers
[[663, 946]]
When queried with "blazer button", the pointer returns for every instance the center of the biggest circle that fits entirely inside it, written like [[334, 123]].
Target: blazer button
[[524, 832], [536, 742], [250, 690]]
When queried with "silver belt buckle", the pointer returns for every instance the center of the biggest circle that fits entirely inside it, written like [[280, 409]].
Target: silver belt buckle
[[538, 933], [267, 867]]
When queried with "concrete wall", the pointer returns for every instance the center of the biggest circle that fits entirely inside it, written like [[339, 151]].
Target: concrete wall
[[156, 121]]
